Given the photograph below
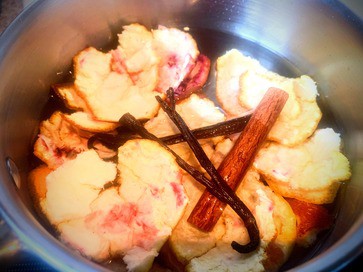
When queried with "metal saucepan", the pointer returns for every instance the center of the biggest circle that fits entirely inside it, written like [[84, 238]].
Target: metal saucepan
[[323, 39]]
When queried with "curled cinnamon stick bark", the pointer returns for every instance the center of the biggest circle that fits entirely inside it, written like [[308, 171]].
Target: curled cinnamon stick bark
[[233, 168]]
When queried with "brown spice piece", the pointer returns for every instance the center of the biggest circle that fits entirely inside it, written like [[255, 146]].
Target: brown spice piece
[[233, 168]]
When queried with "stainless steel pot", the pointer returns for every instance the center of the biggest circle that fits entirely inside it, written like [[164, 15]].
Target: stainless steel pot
[[321, 38]]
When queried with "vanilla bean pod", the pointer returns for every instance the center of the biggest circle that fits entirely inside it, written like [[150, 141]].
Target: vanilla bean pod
[[235, 125], [219, 129], [222, 192], [240, 208], [188, 136]]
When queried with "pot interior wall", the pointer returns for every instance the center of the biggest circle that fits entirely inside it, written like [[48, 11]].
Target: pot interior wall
[[322, 40]]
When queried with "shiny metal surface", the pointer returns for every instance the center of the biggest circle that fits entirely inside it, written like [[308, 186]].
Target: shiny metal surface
[[320, 38]]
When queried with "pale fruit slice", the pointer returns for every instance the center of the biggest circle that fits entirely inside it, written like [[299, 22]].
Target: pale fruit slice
[[83, 117], [230, 67], [197, 112], [243, 81], [86, 121], [110, 94], [73, 186], [58, 141], [292, 131], [131, 220], [311, 171], [68, 93], [178, 53], [136, 56]]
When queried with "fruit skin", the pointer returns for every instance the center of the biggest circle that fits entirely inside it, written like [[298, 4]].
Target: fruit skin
[[311, 219]]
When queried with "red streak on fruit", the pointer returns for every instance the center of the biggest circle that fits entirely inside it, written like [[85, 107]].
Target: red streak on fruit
[[120, 215], [155, 191], [172, 60], [117, 62], [179, 193], [145, 235]]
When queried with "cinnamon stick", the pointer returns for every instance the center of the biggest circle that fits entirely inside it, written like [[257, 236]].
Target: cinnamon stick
[[233, 168]]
